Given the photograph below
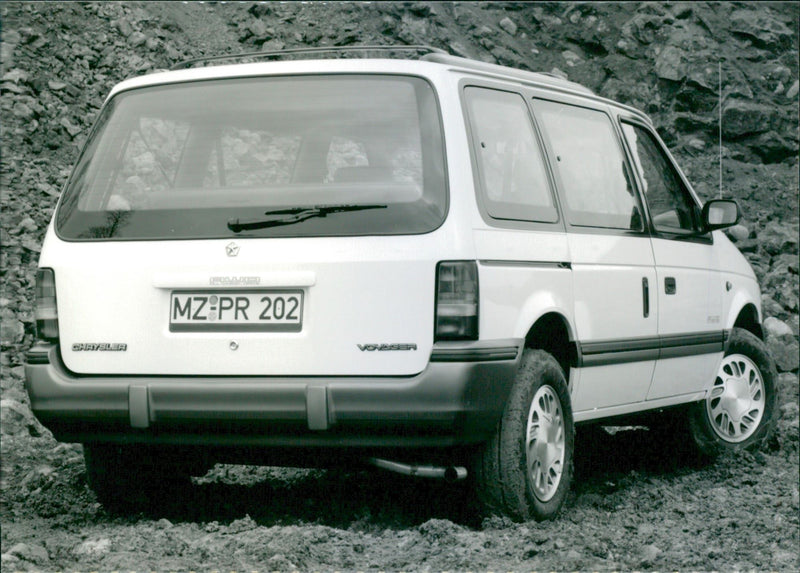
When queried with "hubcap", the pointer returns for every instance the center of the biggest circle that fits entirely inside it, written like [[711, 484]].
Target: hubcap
[[545, 443], [735, 405]]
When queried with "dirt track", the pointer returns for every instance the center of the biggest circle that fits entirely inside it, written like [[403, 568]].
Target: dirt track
[[631, 507]]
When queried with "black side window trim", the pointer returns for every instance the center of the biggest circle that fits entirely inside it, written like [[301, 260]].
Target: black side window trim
[[706, 238]]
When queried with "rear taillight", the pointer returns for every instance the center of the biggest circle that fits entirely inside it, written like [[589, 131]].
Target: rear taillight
[[456, 301], [46, 311]]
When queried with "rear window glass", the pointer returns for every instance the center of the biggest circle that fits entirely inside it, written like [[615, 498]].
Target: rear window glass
[[277, 156]]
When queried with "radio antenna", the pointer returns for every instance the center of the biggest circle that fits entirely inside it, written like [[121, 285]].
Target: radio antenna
[[719, 75]]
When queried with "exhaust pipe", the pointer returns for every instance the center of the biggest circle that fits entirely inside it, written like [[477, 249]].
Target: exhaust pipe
[[449, 474]]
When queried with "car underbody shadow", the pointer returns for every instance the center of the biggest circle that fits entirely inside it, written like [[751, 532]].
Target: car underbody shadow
[[604, 454], [336, 498]]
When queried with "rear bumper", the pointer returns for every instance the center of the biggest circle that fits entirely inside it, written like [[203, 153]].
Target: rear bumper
[[456, 400]]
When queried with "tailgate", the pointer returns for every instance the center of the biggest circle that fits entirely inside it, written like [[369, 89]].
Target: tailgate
[[306, 307]]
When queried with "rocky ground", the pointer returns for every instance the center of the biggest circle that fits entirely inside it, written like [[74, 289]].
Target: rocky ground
[[631, 506]]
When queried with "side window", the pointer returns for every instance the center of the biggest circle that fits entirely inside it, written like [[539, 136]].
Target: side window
[[672, 208], [510, 163], [591, 166]]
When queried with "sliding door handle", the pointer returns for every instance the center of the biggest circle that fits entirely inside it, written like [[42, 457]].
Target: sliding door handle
[[645, 297]]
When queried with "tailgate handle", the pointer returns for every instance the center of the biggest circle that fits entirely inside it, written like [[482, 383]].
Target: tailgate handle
[[645, 297], [670, 286]]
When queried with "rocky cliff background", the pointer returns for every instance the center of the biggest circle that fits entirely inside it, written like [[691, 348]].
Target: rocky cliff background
[[59, 60]]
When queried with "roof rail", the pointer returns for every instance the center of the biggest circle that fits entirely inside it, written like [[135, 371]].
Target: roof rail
[[440, 57], [316, 50]]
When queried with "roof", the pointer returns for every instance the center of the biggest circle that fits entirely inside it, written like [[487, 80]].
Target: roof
[[433, 58]]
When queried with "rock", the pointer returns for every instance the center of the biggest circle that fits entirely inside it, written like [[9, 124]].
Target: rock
[[649, 554], [28, 224], [785, 351], [785, 265], [258, 29], [56, 86], [789, 411], [770, 306], [260, 10], [571, 57], [697, 144], [16, 417], [741, 118], [93, 548], [670, 64], [791, 93], [10, 562], [690, 122], [136, 39], [645, 530], [760, 27], [460, 50], [778, 238], [72, 129], [738, 233], [22, 111], [771, 147], [573, 555], [279, 562], [508, 25], [421, 9], [775, 327], [643, 27], [32, 553], [124, 27], [16, 76], [12, 331]]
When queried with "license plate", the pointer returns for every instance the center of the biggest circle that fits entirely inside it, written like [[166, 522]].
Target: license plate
[[240, 311]]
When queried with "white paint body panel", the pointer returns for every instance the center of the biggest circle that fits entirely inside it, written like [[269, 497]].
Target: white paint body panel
[[346, 281], [695, 307], [609, 303], [519, 279]]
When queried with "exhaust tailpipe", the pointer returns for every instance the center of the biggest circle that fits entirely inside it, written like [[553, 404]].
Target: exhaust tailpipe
[[448, 473]]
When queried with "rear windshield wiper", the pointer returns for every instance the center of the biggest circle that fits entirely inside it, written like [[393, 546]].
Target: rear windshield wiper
[[294, 215]]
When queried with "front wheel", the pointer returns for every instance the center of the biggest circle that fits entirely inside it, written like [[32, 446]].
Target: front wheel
[[525, 470], [738, 411]]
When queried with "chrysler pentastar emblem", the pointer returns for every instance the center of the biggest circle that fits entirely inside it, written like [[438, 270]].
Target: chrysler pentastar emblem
[[232, 249]]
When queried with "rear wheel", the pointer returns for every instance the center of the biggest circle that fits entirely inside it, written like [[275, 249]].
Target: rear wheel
[[525, 470], [738, 411], [128, 477]]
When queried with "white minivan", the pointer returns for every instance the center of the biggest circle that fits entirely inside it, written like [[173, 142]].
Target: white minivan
[[436, 265]]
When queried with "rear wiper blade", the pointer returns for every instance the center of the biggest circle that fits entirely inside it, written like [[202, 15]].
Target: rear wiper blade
[[294, 215]]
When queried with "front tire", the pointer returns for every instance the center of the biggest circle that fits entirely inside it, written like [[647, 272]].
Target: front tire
[[525, 470], [738, 411]]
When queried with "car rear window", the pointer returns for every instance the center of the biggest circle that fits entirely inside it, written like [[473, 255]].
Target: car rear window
[[321, 155]]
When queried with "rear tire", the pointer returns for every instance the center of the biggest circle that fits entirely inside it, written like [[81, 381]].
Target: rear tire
[[128, 478], [525, 470], [738, 411]]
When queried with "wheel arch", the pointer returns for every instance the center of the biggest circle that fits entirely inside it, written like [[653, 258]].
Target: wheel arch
[[553, 333], [748, 319]]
